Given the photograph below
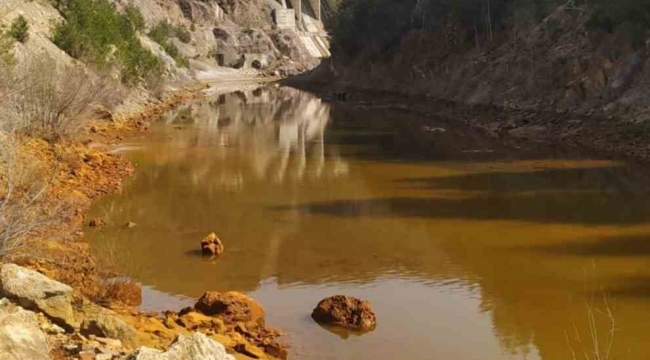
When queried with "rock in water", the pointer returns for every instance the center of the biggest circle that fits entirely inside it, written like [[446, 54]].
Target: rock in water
[[345, 311], [231, 306], [211, 245], [197, 347], [35, 291], [97, 222], [20, 336]]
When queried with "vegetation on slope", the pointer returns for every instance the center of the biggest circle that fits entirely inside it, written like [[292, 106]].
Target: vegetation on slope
[[380, 24], [6, 45], [161, 34], [19, 29], [94, 33]]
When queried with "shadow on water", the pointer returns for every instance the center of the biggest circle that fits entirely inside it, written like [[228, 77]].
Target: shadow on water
[[568, 195], [619, 179], [381, 134], [561, 207], [614, 246], [344, 334], [630, 287]]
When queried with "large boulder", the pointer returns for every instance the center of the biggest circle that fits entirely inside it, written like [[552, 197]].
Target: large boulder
[[345, 311], [20, 336], [196, 347], [106, 323], [231, 306], [35, 291]]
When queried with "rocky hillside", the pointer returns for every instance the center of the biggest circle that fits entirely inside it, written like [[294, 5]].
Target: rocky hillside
[[191, 39], [559, 63]]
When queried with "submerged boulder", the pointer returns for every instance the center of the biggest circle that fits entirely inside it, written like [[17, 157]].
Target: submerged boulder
[[211, 245], [196, 347], [20, 336], [35, 291], [345, 311], [231, 306]]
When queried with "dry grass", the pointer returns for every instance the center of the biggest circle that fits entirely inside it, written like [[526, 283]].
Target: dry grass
[[121, 290], [599, 339], [23, 187]]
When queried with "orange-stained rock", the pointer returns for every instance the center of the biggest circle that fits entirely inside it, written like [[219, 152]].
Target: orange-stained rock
[[211, 245], [345, 311], [97, 222], [250, 350], [231, 306], [276, 350], [194, 320]]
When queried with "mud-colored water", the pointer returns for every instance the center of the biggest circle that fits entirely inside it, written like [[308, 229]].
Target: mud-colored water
[[467, 248]]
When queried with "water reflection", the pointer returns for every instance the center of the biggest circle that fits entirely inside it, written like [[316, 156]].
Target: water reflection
[[464, 254], [277, 133]]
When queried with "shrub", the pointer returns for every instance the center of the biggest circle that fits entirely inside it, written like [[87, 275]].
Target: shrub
[[95, 33], [183, 34], [164, 30], [19, 29], [135, 17], [161, 34]]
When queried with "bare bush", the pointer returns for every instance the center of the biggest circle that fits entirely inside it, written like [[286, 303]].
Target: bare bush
[[119, 289], [23, 186], [51, 101], [37, 98]]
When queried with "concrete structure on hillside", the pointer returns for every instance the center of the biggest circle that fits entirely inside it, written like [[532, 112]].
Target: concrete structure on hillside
[[305, 17]]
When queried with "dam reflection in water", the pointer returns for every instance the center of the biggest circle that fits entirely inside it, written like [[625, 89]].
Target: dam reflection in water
[[467, 247]]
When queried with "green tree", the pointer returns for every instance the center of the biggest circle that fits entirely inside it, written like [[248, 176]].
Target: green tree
[[378, 23]]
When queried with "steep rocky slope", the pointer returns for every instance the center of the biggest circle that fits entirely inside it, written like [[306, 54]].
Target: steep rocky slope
[[243, 33], [557, 64]]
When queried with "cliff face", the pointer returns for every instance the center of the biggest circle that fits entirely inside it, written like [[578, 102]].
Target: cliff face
[[557, 64]]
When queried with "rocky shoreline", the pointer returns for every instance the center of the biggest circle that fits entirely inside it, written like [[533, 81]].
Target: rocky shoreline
[[70, 307], [41, 318]]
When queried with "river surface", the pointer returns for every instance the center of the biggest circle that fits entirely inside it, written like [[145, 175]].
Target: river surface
[[467, 247]]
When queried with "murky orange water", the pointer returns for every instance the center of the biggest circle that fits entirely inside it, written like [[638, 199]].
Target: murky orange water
[[466, 247]]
